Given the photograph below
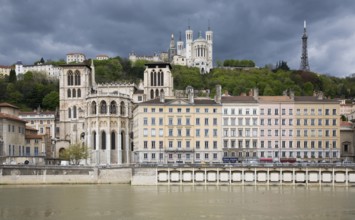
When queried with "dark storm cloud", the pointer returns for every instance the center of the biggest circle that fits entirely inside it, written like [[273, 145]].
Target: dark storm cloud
[[264, 31]]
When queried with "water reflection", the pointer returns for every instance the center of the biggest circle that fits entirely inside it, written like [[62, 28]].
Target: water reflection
[[176, 202]]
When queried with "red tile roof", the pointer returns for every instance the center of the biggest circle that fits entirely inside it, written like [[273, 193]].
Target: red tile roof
[[5, 104], [33, 136], [11, 117]]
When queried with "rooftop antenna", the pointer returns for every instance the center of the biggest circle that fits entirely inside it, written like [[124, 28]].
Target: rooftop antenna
[[188, 23], [209, 25]]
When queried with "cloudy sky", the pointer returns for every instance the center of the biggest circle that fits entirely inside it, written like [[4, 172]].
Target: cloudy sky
[[264, 31]]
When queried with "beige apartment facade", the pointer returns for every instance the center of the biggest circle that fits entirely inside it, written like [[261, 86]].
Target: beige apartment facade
[[317, 128], [177, 131]]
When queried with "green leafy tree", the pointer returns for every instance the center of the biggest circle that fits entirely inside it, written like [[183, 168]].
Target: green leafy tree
[[51, 100], [74, 153], [12, 77], [308, 88]]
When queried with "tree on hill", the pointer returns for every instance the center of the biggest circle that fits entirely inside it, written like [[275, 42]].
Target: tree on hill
[[282, 65], [51, 100], [12, 76]]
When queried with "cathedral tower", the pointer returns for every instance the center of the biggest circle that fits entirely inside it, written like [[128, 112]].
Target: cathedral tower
[[172, 49], [189, 39], [304, 58], [180, 46], [209, 38]]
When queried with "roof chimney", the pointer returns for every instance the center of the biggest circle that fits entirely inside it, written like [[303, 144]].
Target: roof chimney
[[320, 95], [162, 96], [292, 95], [190, 94], [218, 97], [256, 93]]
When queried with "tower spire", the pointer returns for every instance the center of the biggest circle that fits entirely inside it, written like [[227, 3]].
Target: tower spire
[[304, 58]]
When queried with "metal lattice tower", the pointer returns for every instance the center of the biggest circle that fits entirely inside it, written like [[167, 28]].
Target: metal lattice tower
[[304, 58]]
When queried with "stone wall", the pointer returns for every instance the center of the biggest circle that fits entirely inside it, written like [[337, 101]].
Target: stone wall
[[63, 175]]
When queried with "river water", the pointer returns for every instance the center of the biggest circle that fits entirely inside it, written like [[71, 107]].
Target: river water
[[175, 202]]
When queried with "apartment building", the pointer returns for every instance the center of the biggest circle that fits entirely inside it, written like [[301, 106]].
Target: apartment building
[[275, 127], [317, 128], [178, 130], [41, 121], [240, 127]]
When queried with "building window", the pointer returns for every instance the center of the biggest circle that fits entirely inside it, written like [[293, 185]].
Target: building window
[[103, 140], [113, 107], [77, 77], [187, 132], [103, 107], [93, 108]]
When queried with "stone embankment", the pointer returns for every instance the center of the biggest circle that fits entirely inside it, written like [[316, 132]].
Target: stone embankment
[[63, 175], [181, 175]]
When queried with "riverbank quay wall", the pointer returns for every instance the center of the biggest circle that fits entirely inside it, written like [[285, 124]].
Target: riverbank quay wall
[[13, 175], [312, 176]]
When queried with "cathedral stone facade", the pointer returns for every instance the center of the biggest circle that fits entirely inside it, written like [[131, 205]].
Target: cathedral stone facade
[[100, 115]]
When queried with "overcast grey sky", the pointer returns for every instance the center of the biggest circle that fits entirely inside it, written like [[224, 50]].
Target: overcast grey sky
[[264, 31]]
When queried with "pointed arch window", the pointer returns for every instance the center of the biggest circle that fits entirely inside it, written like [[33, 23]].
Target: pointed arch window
[[152, 94], [152, 78], [93, 108], [113, 140], [113, 107], [74, 111], [122, 108], [74, 93], [77, 77], [69, 112], [94, 139], [103, 140], [161, 78], [155, 78], [103, 107], [79, 93], [69, 93], [70, 77], [156, 93]]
